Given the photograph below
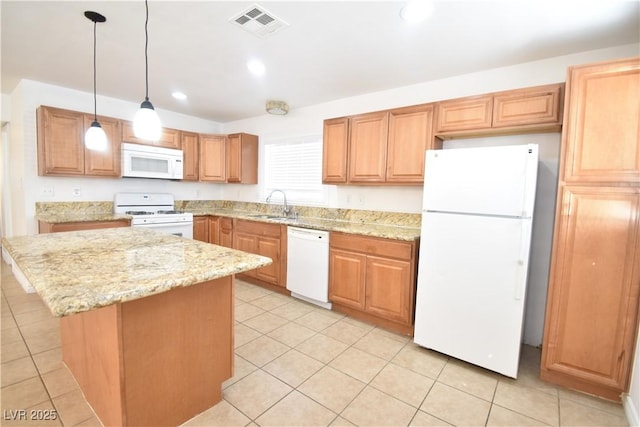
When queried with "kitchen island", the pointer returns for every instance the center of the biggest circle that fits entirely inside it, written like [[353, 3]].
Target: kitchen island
[[146, 318]]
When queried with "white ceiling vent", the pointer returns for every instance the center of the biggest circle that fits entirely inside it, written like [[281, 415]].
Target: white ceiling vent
[[257, 20]]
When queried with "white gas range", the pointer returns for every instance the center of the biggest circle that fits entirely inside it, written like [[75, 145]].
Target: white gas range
[[155, 211]]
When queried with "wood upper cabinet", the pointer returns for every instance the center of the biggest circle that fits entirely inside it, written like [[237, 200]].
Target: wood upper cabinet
[[170, 138], [61, 148], [265, 239], [602, 122], [375, 277], [531, 106], [368, 147], [385, 147], [335, 150], [465, 114], [592, 307], [213, 158], [190, 150], [512, 111], [410, 135], [591, 319], [242, 158]]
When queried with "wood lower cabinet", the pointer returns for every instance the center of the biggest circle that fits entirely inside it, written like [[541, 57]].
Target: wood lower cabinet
[[201, 228], [61, 150], [592, 311], [226, 232], [374, 279], [591, 320], [49, 227], [169, 138], [191, 153], [265, 239]]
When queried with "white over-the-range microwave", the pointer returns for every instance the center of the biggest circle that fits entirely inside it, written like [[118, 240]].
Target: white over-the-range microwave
[[144, 161]]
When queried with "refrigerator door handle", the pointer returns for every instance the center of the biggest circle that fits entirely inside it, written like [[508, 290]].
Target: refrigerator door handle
[[522, 258]]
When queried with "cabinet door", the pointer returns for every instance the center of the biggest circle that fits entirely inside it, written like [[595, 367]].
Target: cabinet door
[[388, 291], [214, 230], [169, 138], [104, 163], [190, 152], [242, 158], [347, 278], [464, 114], [368, 147], [410, 135], [60, 142], [335, 149], [212, 158], [602, 122], [592, 308], [269, 247], [523, 107], [201, 228], [226, 232], [248, 243]]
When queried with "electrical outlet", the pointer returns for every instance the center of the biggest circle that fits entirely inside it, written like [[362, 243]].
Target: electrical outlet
[[77, 192], [47, 192]]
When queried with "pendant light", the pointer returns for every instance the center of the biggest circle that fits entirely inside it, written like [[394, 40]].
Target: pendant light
[[95, 138], [146, 123]]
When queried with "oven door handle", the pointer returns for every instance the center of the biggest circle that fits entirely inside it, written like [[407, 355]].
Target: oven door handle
[[163, 224]]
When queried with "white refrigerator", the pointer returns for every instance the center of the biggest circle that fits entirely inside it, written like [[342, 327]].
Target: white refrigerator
[[474, 253]]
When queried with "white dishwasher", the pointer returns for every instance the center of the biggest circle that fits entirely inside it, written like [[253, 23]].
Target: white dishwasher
[[308, 265]]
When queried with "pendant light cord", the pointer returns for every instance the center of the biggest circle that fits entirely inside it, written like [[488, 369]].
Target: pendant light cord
[[146, 48], [95, 102]]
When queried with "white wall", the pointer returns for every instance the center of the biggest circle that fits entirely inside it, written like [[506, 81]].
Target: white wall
[[631, 402]]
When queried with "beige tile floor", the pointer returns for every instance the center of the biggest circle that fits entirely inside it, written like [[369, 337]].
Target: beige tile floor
[[301, 365]]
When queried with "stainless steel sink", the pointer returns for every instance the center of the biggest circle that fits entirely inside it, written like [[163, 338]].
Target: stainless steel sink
[[265, 216]]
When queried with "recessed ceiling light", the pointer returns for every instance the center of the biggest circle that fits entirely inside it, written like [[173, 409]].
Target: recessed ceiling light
[[256, 67], [179, 95], [417, 11]]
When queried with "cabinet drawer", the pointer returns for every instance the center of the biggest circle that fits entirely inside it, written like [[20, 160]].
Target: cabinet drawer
[[372, 245], [258, 228]]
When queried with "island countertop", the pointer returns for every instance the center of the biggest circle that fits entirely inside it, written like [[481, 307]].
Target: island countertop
[[79, 271]]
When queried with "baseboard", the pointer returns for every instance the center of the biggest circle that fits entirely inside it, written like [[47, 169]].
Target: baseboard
[[630, 410]]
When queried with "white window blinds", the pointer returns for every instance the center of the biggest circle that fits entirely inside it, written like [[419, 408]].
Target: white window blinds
[[295, 167]]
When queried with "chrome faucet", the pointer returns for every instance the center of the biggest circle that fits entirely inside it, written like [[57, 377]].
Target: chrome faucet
[[285, 207]]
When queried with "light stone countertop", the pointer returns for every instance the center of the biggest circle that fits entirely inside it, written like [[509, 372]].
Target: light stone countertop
[[387, 231], [82, 270]]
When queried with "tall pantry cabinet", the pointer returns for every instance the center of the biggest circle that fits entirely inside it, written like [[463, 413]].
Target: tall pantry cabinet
[[592, 306]]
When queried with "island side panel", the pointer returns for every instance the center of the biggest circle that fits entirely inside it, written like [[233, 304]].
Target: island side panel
[[177, 351], [91, 343]]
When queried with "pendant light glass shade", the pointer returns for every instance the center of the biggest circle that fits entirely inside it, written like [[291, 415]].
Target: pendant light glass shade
[[146, 123], [95, 138]]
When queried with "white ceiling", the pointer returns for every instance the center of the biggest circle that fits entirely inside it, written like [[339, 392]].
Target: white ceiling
[[330, 50]]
